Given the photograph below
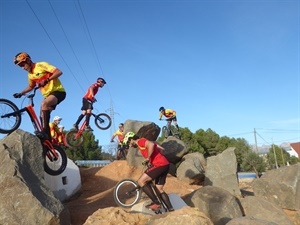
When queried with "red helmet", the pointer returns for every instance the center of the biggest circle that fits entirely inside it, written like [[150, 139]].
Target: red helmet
[[21, 57]]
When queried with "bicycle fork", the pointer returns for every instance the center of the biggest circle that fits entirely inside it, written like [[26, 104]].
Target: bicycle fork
[[50, 152]]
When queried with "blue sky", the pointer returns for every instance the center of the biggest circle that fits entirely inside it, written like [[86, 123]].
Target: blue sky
[[232, 66]]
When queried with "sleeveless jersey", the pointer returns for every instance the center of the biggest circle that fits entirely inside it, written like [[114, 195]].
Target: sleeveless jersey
[[91, 92]]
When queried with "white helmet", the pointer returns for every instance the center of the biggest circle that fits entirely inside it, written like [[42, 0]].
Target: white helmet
[[57, 118]]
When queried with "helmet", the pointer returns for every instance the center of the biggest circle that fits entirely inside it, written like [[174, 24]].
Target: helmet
[[161, 108], [61, 126], [128, 137], [21, 57], [100, 79], [57, 118]]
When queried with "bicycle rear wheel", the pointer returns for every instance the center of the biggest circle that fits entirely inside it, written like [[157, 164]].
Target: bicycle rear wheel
[[9, 121], [165, 132], [55, 162], [73, 140], [127, 193], [103, 121]]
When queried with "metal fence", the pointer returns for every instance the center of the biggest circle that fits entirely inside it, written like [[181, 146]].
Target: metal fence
[[92, 163]]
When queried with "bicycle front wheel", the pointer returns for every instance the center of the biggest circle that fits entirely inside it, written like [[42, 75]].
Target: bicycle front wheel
[[103, 121], [73, 140], [9, 120], [55, 161], [127, 193]]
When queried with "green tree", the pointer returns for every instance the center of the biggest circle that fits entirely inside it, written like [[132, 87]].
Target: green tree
[[208, 140], [89, 150], [253, 162]]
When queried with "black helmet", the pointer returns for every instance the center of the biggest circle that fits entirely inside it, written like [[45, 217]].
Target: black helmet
[[100, 79], [161, 108]]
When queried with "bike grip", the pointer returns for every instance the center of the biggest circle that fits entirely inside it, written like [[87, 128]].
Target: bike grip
[[17, 95]]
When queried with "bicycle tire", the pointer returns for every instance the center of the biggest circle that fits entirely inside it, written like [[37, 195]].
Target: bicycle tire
[[71, 139], [52, 165], [103, 121], [165, 132], [8, 123], [127, 193]]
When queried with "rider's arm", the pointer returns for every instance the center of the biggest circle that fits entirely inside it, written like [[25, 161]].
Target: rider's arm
[[56, 73], [160, 116], [113, 137], [174, 113], [150, 146], [160, 148], [27, 89]]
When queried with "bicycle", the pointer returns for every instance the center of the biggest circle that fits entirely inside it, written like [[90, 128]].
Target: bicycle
[[74, 138], [121, 151], [168, 130], [128, 192], [55, 158]]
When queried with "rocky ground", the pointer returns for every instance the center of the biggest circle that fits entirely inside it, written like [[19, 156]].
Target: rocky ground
[[98, 183]]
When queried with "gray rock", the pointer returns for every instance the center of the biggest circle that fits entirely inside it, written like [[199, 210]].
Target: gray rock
[[25, 199], [261, 209], [280, 186], [192, 168], [216, 203], [221, 171]]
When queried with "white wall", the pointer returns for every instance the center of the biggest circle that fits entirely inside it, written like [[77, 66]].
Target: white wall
[[66, 184]]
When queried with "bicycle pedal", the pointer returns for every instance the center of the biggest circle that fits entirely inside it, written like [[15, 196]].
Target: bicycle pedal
[[41, 135]]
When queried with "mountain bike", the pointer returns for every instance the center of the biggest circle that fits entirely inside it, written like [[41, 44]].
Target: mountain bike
[[74, 138], [128, 192], [169, 130], [122, 151], [55, 158]]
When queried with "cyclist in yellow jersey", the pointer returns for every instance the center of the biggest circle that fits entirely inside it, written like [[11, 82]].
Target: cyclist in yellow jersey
[[87, 103], [46, 77], [170, 114], [121, 146], [54, 129]]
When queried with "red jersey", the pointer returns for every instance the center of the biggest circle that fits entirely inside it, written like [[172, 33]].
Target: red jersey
[[91, 92], [156, 158]]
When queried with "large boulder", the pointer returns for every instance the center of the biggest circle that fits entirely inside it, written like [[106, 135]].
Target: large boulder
[[148, 130], [175, 149], [280, 186], [221, 171], [23, 189], [259, 208], [192, 168], [216, 203]]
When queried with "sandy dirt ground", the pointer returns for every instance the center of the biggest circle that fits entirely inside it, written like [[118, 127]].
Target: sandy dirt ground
[[98, 184]]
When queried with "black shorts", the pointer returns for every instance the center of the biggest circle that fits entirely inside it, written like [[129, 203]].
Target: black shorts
[[171, 119], [86, 104], [60, 97], [159, 174]]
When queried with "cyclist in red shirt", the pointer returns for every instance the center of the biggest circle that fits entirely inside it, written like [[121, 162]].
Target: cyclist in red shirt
[[46, 77], [87, 103], [158, 170]]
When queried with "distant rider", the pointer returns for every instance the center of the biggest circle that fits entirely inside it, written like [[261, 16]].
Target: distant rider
[[120, 134], [170, 114]]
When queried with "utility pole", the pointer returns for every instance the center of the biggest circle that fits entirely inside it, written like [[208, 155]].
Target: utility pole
[[256, 148], [275, 155]]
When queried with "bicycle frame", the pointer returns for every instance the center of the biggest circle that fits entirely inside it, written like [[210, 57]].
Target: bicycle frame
[[35, 122]]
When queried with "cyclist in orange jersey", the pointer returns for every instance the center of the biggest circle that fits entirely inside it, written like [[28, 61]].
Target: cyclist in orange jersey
[[45, 76], [158, 170], [120, 134], [87, 103], [170, 114]]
